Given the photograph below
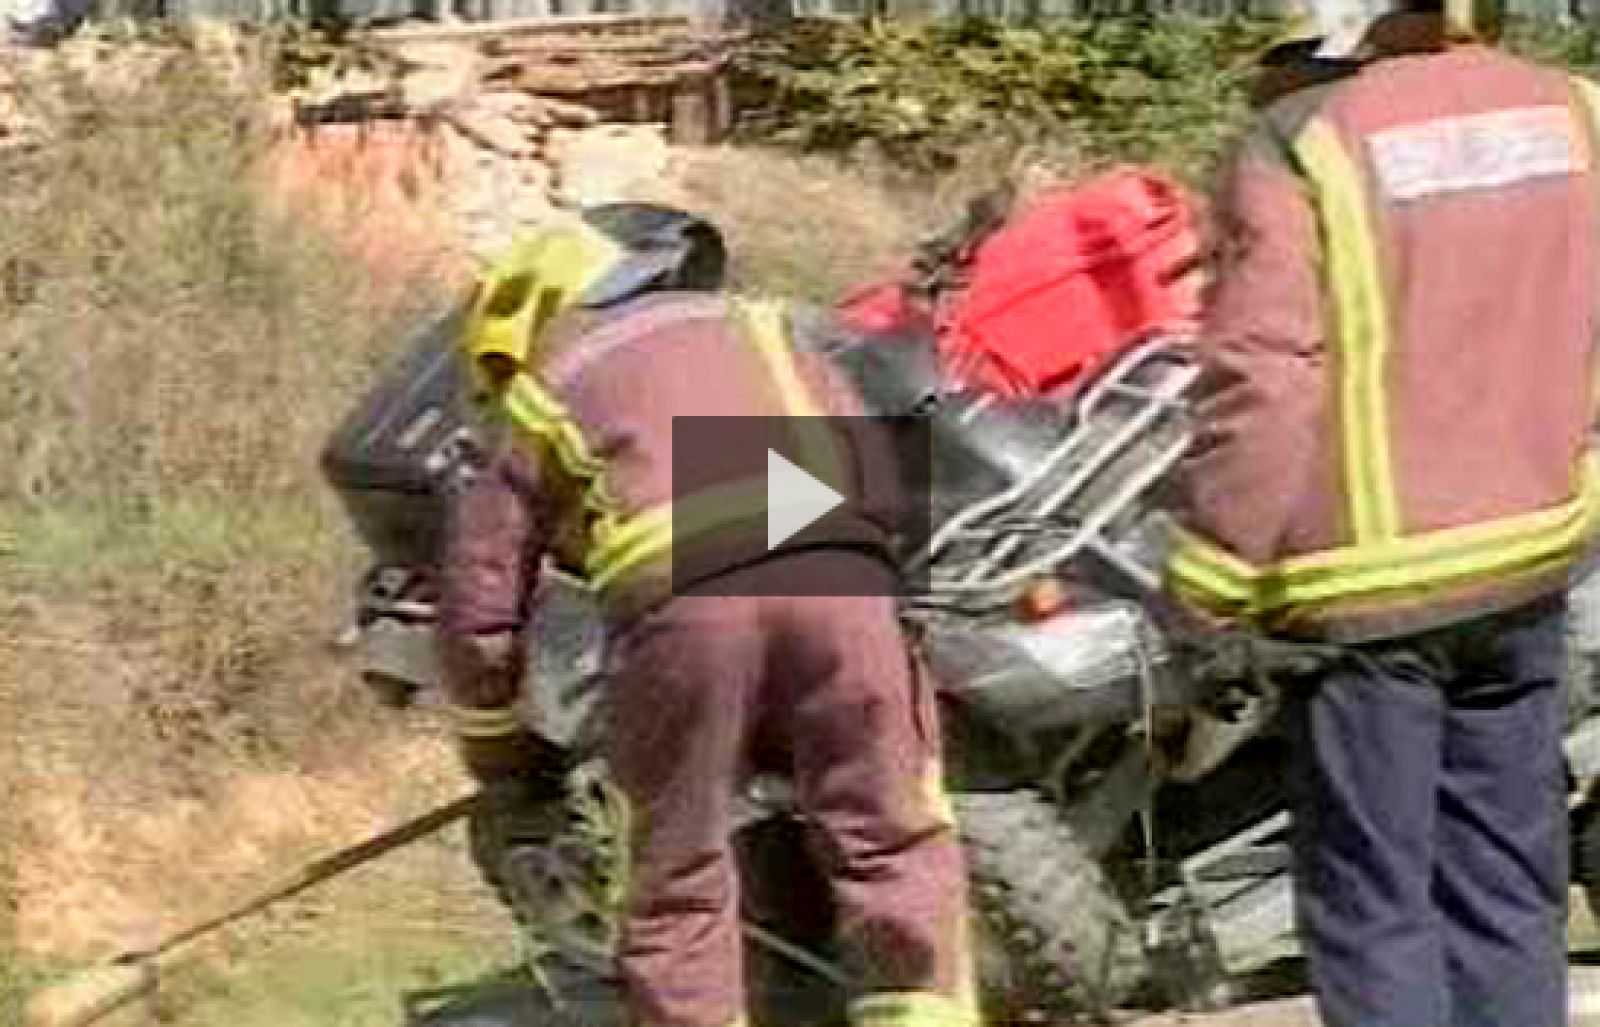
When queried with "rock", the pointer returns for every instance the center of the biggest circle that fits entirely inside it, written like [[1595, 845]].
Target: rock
[[505, 103], [434, 75], [535, 115], [496, 132], [493, 202], [531, 207], [559, 140], [543, 111], [568, 114], [460, 152], [427, 56], [435, 88], [536, 177], [610, 164], [327, 87], [500, 70], [10, 114]]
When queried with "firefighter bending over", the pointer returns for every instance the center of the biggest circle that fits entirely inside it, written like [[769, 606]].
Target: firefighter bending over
[[588, 342]]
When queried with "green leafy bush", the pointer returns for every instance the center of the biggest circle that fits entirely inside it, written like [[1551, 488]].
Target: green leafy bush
[[1571, 46], [1165, 90]]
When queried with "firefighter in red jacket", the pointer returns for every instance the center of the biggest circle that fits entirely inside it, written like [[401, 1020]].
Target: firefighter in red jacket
[[1390, 458], [589, 342]]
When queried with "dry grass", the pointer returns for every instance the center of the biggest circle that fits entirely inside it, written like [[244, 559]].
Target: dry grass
[[124, 832], [781, 213], [179, 330], [174, 347], [815, 227]]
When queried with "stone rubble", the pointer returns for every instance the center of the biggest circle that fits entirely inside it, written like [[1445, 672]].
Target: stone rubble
[[524, 141], [505, 123]]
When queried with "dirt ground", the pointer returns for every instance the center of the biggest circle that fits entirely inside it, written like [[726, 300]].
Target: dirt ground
[[1295, 1012], [1299, 1012], [1583, 932]]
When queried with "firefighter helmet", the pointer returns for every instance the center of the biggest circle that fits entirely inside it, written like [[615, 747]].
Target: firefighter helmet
[[611, 253], [1341, 28]]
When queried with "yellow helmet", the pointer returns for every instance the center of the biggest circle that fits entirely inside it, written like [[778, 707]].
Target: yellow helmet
[[611, 253], [542, 274]]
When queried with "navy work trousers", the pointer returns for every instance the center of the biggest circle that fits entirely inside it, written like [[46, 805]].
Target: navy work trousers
[[1432, 830]]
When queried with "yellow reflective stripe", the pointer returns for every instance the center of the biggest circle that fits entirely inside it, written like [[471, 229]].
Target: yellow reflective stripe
[[937, 800], [648, 536], [966, 990], [1586, 104], [628, 543], [767, 328], [1200, 597], [625, 544], [1508, 576], [621, 543], [534, 409], [1210, 570], [1420, 563], [1362, 332], [1477, 562], [911, 1009], [611, 562], [1587, 95], [472, 722], [1454, 545]]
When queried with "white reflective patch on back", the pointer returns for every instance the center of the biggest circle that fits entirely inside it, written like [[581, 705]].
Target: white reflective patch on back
[[1481, 151]]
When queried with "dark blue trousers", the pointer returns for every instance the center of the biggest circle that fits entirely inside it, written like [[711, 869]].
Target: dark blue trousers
[[1432, 828]]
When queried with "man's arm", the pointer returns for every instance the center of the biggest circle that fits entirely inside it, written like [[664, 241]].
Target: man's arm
[[1260, 399], [498, 532]]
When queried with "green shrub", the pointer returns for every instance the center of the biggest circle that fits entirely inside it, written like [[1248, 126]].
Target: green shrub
[[1160, 90], [1167, 90], [1576, 47]]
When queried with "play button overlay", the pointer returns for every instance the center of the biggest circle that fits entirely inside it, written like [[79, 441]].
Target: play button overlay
[[795, 499], [748, 492]]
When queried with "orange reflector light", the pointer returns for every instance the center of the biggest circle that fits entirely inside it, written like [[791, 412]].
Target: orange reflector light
[[1042, 599]]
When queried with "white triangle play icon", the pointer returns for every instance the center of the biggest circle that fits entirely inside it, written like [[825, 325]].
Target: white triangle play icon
[[794, 499]]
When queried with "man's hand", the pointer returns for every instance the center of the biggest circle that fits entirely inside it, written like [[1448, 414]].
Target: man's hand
[[504, 756], [1236, 654], [1222, 656]]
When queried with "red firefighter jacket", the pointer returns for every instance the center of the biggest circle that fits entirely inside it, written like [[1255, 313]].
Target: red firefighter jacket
[[587, 470], [1398, 353]]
